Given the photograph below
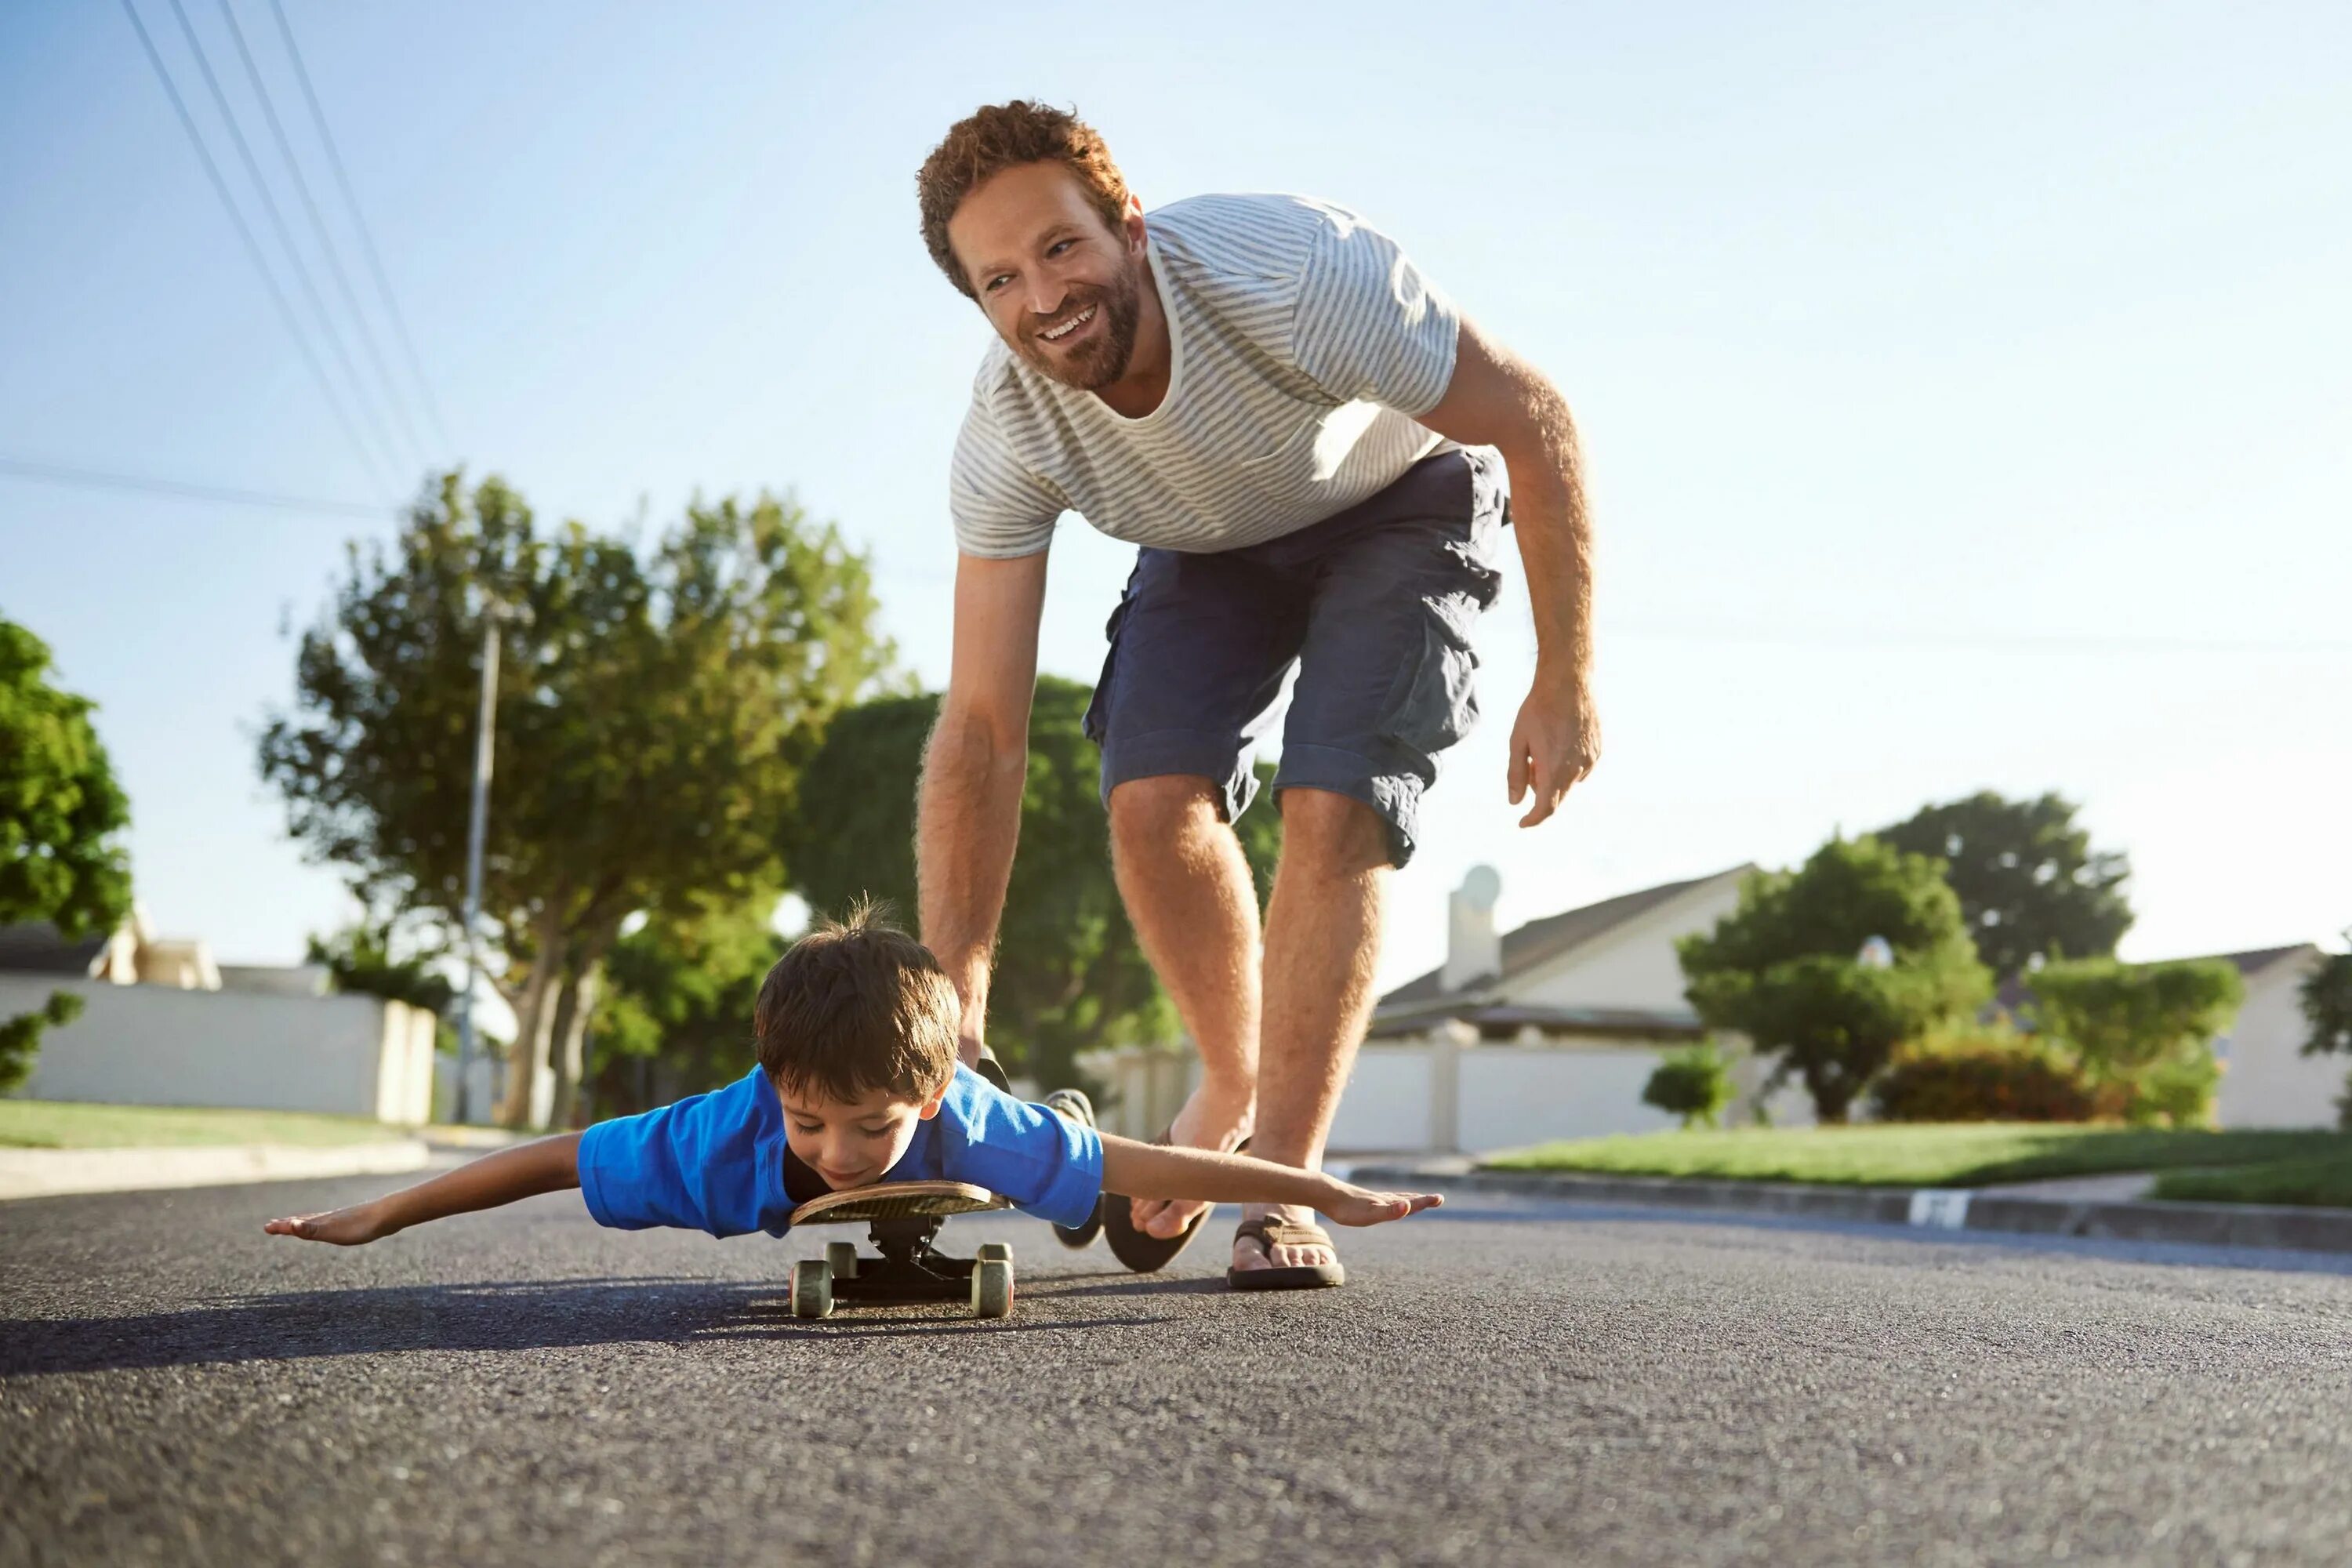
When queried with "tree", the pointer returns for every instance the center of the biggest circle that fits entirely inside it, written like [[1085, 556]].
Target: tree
[[1068, 976], [680, 1001], [2031, 886], [358, 962], [653, 713], [2143, 1033], [1693, 1083], [62, 817], [1783, 967], [2326, 996]]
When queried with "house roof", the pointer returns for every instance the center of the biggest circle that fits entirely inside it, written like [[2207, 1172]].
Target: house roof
[[2016, 991], [1540, 941], [36, 947]]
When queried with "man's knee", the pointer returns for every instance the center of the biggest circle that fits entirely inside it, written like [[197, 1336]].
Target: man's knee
[[1160, 812], [1330, 832]]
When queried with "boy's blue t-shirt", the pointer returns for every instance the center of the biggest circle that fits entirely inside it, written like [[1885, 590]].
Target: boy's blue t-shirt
[[716, 1162]]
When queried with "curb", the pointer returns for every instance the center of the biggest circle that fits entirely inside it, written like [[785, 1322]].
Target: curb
[[55, 1172], [1927, 1208]]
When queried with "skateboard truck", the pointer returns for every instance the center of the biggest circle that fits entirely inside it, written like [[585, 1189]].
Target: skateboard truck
[[903, 1220]]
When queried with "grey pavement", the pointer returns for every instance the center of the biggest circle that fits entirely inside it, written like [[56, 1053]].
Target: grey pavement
[[1508, 1382]]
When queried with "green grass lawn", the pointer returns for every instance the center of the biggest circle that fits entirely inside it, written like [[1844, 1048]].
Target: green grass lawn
[[2323, 1183], [1954, 1155], [57, 1124]]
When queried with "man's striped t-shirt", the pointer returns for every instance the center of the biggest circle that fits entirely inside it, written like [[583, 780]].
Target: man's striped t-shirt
[[1304, 344]]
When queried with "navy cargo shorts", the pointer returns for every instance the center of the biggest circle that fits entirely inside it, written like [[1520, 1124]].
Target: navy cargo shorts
[[1375, 605]]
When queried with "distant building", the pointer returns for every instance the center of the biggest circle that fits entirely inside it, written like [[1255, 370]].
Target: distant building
[[163, 1024]]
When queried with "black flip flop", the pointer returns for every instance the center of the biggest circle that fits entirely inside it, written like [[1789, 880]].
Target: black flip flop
[[1275, 1231], [1141, 1252], [1074, 1104]]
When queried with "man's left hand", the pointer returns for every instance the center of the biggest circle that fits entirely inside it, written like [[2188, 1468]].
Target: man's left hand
[[1555, 742]]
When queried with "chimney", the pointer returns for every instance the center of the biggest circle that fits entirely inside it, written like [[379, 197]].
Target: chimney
[[1473, 952]]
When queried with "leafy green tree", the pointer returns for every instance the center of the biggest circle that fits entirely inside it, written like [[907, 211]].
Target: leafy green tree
[[61, 818], [1783, 967], [1694, 1083], [2143, 1033], [2031, 886], [2326, 996], [679, 1016], [652, 711], [1069, 976], [358, 962]]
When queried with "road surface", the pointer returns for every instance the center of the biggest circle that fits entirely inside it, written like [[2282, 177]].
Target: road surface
[[1507, 1383]]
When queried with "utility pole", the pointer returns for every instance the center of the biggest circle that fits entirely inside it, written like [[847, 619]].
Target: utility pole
[[485, 732]]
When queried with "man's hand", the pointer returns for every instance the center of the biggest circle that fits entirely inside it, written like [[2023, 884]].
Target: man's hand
[[353, 1226], [1555, 742], [1348, 1204]]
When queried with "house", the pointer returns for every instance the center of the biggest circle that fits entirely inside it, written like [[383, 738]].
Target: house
[[163, 1024], [2267, 1081], [1550, 1030]]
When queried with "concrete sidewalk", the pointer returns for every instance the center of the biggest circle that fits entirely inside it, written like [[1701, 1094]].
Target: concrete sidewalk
[[2091, 1208], [55, 1172]]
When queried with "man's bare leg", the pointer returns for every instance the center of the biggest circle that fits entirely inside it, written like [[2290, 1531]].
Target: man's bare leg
[[1188, 890], [1322, 943]]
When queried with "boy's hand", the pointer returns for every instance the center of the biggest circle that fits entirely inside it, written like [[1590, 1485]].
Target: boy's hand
[[1357, 1205], [353, 1227]]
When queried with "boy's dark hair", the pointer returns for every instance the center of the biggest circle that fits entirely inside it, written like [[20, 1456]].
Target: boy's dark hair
[[856, 1006], [995, 138]]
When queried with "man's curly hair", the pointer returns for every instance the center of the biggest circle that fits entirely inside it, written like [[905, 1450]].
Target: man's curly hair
[[856, 1006], [996, 138]]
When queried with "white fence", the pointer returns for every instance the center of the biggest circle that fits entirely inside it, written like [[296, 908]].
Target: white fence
[[158, 1045], [1426, 1096]]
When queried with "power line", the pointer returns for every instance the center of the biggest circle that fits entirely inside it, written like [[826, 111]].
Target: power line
[[285, 237], [98, 480], [393, 397], [253, 251], [367, 240]]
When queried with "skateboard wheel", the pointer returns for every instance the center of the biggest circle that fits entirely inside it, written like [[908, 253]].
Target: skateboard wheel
[[992, 1252], [841, 1257], [991, 1288], [811, 1288]]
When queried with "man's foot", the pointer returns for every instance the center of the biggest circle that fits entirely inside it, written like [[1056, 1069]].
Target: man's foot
[[1210, 1120], [1250, 1254]]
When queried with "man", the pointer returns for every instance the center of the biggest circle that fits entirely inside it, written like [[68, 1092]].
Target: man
[[1308, 443]]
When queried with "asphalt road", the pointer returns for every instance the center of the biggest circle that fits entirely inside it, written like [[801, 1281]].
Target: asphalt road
[[1502, 1384]]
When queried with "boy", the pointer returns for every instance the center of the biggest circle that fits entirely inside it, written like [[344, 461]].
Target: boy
[[857, 1082]]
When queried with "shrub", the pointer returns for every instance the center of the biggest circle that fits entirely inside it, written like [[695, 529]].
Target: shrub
[[1981, 1076], [1694, 1083], [2177, 1092], [2344, 1105]]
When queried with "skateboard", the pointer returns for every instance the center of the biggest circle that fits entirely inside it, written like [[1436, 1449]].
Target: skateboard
[[903, 1217]]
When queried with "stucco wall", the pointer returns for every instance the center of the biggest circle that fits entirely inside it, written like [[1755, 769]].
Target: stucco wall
[[2267, 1081], [153, 1044]]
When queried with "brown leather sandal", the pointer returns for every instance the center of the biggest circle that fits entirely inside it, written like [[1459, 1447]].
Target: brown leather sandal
[[1139, 1250], [1275, 1231]]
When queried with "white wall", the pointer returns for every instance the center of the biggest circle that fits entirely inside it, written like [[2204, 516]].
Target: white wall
[[2267, 1081], [1513, 1095], [1632, 967], [153, 1045], [1386, 1105]]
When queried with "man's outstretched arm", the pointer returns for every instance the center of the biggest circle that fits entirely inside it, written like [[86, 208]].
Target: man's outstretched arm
[[968, 811], [1496, 399], [548, 1165]]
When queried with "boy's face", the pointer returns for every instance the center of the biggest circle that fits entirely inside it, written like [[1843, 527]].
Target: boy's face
[[854, 1142]]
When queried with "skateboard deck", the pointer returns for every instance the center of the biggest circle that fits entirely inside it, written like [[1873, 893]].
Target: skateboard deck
[[898, 1200], [904, 1218]]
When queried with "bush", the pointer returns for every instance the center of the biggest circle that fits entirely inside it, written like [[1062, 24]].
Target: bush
[[2177, 1092], [20, 1038], [1694, 1083], [2344, 1105], [1981, 1076]]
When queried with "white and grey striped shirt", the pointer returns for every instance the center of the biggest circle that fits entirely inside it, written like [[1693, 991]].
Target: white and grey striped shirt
[[1304, 343]]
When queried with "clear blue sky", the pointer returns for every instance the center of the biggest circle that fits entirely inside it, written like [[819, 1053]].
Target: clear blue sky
[[1966, 388]]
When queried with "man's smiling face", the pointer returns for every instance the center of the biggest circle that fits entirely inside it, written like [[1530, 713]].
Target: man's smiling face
[[1061, 287]]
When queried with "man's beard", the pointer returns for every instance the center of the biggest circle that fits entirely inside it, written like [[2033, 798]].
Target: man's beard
[[1102, 359]]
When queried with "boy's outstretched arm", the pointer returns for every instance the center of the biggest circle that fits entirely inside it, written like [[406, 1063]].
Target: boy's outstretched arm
[[1136, 1170], [548, 1165]]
